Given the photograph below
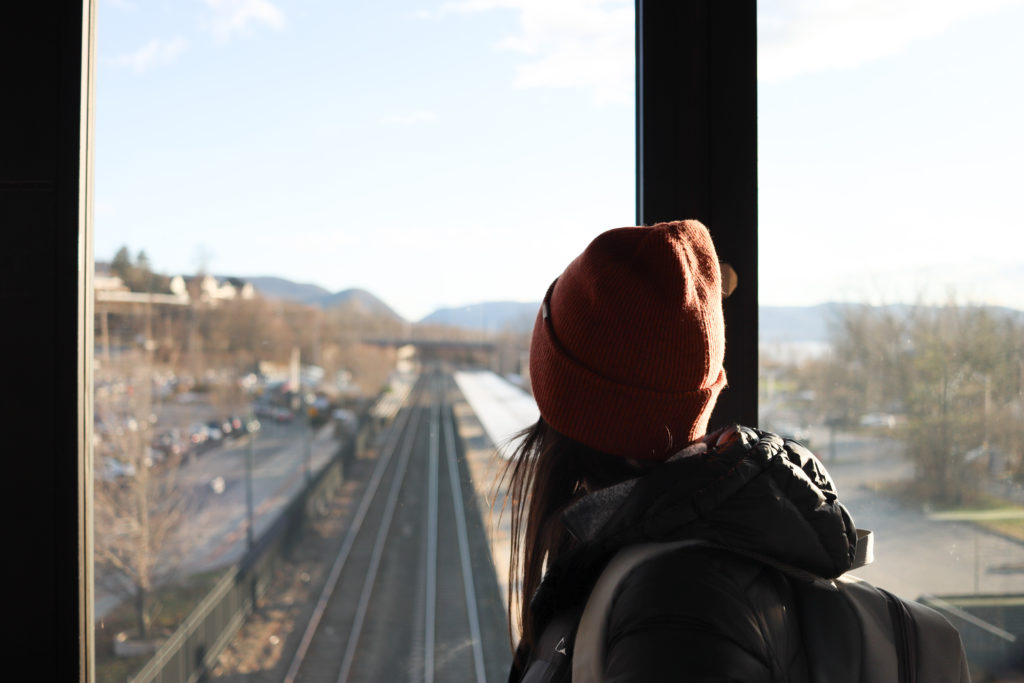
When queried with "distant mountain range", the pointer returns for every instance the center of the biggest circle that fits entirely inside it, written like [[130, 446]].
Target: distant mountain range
[[775, 323], [279, 288], [495, 316], [813, 323], [492, 316], [315, 295], [796, 323]]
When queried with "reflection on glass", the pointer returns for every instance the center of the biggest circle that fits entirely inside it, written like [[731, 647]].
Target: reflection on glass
[[892, 317], [302, 213]]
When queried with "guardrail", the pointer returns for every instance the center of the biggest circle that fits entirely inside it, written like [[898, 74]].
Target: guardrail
[[194, 647]]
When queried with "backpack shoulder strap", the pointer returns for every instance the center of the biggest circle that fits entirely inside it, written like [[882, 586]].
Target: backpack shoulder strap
[[588, 646], [588, 649], [550, 660]]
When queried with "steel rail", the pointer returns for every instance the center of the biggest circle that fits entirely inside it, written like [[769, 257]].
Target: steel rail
[[463, 534], [353, 531], [430, 618], [378, 552]]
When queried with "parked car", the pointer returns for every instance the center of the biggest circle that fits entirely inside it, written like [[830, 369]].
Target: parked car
[[883, 420], [263, 409], [224, 426], [170, 443], [198, 434], [214, 430], [113, 470]]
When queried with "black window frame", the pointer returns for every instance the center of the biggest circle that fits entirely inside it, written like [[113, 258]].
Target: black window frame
[[47, 52], [696, 158], [696, 131]]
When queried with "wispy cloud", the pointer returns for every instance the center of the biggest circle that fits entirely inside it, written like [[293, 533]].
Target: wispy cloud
[[155, 53], [228, 18], [411, 118], [568, 44], [424, 14], [806, 36]]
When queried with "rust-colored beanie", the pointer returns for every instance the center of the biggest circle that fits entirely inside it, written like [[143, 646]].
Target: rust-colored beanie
[[627, 348]]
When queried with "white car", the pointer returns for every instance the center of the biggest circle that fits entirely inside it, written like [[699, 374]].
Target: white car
[[885, 420], [113, 469]]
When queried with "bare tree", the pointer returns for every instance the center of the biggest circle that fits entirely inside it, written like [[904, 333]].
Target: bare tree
[[954, 372], [137, 507]]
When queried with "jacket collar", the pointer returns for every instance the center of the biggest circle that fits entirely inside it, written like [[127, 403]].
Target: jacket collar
[[738, 487]]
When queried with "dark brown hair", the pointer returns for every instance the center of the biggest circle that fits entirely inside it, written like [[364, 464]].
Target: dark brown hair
[[546, 473]]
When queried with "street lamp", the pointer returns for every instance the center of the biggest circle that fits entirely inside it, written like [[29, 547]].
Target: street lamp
[[306, 425]]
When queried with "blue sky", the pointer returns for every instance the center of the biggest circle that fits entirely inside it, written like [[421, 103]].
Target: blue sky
[[446, 153]]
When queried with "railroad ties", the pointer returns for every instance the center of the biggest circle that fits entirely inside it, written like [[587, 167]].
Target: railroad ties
[[412, 595]]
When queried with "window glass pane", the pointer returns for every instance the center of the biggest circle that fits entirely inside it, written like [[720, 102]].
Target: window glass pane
[[892, 285], [286, 192]]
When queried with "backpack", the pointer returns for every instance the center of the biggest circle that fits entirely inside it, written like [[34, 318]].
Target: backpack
[[873, 636]]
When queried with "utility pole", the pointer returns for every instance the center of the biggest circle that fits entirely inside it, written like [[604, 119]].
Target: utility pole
[[307, 438], [250, 428]]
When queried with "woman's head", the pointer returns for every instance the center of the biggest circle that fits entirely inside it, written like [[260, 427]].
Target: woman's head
[[626, 366], [628, 346]]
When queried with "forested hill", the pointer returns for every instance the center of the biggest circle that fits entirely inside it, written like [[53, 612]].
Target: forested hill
[[280, 288], [315, 295]]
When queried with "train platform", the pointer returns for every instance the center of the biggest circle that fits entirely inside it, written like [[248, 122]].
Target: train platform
[[494, 410]]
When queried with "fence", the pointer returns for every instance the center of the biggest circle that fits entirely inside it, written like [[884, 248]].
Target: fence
[[991, 628], [193, 648]]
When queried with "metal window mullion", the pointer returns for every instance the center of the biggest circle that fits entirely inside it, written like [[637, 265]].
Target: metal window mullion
[[696, 133]]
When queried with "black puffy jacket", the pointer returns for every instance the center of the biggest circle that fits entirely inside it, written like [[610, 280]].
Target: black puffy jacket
[[701, 614]]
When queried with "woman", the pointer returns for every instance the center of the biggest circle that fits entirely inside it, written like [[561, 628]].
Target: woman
[[626, 366]]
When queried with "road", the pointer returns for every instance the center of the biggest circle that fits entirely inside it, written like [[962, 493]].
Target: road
[[213, 531], [916, 555]]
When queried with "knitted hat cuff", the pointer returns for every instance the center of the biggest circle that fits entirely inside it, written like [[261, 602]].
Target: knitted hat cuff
[[615, 418]]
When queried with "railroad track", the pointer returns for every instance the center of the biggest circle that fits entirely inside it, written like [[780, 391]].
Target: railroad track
[[411, 595]]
